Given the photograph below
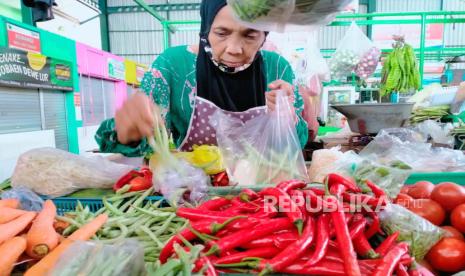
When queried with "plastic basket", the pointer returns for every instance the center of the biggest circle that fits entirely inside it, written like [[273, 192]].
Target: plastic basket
[[437, 177], [68, 204]]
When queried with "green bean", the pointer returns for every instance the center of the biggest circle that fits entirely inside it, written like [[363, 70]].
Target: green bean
[[70, 221], [140, 200], [169, 266], [152, 213], [165, 225], [126, 205], [123, 189], [152, 236], [124, 196], [124, 233], [111, 208]]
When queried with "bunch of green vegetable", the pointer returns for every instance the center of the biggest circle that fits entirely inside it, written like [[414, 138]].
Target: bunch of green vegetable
[[130, 216], [429, 113], [400, 71], [181, 266]]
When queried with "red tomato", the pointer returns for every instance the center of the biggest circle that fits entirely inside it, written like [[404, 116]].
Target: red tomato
[[453, 233], [405, 189], [448, 255], [140, 183], [421, 189], [457, 218], [404, 200], [449, 195], [428, 209]]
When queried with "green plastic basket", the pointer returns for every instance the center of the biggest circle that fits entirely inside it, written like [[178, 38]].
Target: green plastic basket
[[68, 204], [437, 177]]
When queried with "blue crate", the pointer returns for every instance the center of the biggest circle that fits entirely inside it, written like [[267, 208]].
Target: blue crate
[[68, 204]]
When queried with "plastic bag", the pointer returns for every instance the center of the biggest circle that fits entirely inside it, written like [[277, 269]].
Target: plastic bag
[[53, 172], [205, 157], [419, 233], [173, 177], [284, 15], [323, 161], [29, 200], [410, 148], [438, 132], [354, 52], [263, 150], [94, 258]]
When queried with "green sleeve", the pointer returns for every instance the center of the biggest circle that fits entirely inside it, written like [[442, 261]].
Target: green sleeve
[[155, 84], [285, 73]]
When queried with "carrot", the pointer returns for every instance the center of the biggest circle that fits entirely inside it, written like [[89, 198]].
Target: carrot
[[42, 237], [10, 251], [82, 234], [8, 214], [16, 226], [10, 202]]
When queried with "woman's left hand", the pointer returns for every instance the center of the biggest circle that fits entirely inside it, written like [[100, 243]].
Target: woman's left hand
[[274, 87], [271, 95]]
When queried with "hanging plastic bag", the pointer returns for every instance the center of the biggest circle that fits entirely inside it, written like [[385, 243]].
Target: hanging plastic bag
[[95, 258], [53, 172], [285, 15], [28, 200], [419, 233], [263, 150], [354, 52], [174, 178]]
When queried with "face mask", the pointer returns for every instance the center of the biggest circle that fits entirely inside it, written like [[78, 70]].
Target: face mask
[[224, 68]]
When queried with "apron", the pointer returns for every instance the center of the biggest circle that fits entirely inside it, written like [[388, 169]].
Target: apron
[[200, 132]]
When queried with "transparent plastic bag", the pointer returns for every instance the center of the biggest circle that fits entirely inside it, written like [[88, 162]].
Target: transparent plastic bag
[[286, 15], [323, 161], [94, 258], [263, 150], [438, 132], [354, 52], [53, 172], [29, 200], [419, 233], [174, 177], [408, 147]]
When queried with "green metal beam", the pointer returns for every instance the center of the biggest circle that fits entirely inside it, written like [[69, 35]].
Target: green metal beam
[[26, 14], [398, 21], [158, 8], [104, 33], [154, 13]]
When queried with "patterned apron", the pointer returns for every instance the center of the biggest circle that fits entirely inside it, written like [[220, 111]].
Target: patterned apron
[[200, 132]]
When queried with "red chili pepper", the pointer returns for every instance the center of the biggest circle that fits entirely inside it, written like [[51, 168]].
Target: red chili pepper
[[211, 271], [290, 185], [337, 189], [196, 214], [261, 252], [357, 228], [377, 191], [391, 259], [292, 252], [316, 201], [407, 260], [276, 240], [322, 240], [390, 241], [324, 267], [363, 199], [343, 238], [214, 204], [138, 180], [374, 226], [319, 192], [363, 247], [401, 270], [334, 178], [415, 272], [292, 210], [220, 180], [246, 235], [248, 195]]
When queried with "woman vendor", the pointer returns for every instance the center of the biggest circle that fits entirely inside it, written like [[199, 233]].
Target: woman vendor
[[226, 70]]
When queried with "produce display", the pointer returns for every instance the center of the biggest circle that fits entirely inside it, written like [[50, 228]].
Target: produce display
[[400, 70], [442, 205], [368, 63], [429, 113], [343, 63]]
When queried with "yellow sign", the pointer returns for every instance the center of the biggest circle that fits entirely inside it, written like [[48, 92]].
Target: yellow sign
[[134, 71], [36, 61]]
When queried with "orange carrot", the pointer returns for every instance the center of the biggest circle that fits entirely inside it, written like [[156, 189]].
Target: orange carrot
[[10, 202], [10, 252], [8, 214], [42, 237], [10, 229], [82, 234]]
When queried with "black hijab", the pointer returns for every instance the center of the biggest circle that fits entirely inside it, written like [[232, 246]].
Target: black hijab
[[229, 91]]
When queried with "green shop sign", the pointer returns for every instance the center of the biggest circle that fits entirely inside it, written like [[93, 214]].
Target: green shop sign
[[32, 70]]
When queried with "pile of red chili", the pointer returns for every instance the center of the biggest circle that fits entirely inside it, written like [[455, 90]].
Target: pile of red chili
[[247, 233]]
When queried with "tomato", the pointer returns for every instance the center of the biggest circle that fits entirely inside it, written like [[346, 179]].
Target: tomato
[[140, 183], [421, 189], [403, 200], [457, 218], [449, 195], [453, 233], [428, 209], [447, 255], [405, 189]]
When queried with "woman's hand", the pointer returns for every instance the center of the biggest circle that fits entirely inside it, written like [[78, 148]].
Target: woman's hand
[[271, 95], [135, 120]]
